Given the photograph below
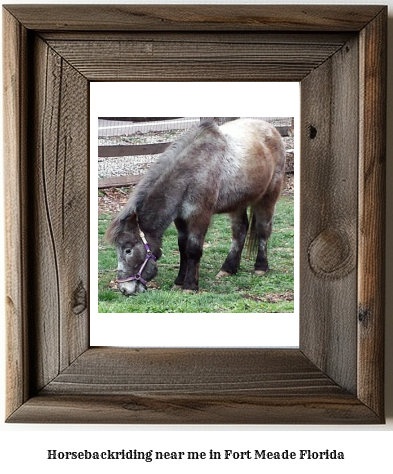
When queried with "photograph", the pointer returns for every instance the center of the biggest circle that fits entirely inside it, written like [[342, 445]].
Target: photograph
[[196, 214]]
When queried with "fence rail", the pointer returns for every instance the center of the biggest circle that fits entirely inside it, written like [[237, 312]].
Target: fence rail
[[131, 150]]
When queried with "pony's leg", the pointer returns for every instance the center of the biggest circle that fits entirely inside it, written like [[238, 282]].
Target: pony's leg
[[197, 229], [239, 222], [182, 238], [263, 214]]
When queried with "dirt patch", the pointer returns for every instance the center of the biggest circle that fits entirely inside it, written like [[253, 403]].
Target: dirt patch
[[112, 200], [289, 186], [271, 297]]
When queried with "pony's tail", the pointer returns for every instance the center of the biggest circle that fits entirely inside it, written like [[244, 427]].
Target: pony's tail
[[252, 240]]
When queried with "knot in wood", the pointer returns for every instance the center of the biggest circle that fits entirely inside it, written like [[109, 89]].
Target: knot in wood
[[331, 254], [79, 299]]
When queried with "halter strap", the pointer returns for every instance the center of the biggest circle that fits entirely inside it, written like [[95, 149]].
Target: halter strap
[[149, 255]]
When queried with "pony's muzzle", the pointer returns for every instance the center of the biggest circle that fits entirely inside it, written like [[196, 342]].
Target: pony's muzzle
[[132, 288]]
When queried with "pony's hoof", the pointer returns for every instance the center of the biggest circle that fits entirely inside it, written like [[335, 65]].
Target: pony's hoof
[[176, 287], [260, 272], [190, 292], [222, 274]]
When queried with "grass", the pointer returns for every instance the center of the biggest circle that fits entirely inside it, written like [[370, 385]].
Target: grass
[[242, 293]]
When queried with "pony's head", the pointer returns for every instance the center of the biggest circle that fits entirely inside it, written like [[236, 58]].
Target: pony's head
[[136, 262]]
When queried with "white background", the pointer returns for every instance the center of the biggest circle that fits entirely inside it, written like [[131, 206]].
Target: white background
[[201, 99], [367, 448]]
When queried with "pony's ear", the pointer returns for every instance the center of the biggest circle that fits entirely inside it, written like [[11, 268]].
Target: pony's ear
[[120, 223], [129, 222]]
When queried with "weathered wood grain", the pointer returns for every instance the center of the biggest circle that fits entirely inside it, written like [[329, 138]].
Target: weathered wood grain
[[198, 385], [16, 230], [187, 60], [185, 371], [201, 37], [195, 18], [371, 232], [328, 252], [44, 266], [60, 216], [328, 408], [336, 375]]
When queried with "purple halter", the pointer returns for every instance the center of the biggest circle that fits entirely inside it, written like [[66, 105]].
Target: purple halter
[[149, 255]]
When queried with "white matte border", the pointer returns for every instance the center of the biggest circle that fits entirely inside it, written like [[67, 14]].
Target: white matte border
[[199, 99]]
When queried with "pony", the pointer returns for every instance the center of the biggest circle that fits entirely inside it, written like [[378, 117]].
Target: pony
[[211, 169]]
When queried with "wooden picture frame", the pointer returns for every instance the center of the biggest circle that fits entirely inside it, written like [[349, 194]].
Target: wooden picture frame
[[338, 54]]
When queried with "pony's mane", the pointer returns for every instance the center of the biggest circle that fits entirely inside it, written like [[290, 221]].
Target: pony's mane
[[166, 163]]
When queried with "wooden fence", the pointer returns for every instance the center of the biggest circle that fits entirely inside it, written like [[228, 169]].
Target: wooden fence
[[110, 151]]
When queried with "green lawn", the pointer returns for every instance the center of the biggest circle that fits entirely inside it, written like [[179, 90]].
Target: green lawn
[[242, 293]]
